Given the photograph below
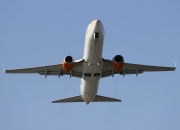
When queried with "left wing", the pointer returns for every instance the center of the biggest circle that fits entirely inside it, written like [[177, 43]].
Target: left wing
[[52, 70], [129, 68]]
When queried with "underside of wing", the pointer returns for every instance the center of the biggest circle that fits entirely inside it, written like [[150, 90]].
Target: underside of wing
[[52, 70], [129, 68], [147, 68]]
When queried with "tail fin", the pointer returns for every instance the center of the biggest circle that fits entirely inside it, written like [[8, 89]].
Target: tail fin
[[79, 99]]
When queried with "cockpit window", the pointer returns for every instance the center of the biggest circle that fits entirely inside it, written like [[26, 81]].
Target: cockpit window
[[96, 35]]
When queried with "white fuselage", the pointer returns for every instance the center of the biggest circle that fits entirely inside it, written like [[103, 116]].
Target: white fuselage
[[92, 66]]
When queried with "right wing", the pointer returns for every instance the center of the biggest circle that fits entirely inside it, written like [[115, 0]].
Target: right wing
[[52, 70], [130, 68]]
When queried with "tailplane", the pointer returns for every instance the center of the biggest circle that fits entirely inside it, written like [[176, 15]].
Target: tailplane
[[99, 98], [69, 99], [79, 99]]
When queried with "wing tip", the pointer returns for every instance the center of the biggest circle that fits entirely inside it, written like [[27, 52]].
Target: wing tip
[[5, 71], [175, 65]]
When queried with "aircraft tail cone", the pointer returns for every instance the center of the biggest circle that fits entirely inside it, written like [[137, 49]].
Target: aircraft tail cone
[[87, 102]]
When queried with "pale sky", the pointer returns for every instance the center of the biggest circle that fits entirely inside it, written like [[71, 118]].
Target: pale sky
[[43, 32]]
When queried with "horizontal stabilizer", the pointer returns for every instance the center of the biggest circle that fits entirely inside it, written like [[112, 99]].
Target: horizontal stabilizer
[[105, 99], [79, 99], [69, 99]]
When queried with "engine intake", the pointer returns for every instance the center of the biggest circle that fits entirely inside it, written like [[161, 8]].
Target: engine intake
[[118, 63], [68, 63]]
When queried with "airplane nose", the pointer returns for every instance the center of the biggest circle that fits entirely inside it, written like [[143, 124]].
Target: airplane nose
[[96, 21], [97, 25]]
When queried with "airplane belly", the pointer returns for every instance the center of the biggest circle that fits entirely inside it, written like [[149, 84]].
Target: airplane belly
[[90, 80], [88, 89], [93, 52]]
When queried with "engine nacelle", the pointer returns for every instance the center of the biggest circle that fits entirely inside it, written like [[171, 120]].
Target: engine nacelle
[[118, 63], [68, 63]]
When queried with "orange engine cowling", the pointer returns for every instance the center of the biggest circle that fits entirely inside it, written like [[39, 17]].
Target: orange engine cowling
[[118, 63], [68, 63]]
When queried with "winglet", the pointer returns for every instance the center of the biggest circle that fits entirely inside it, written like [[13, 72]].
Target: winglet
[[4, 69], [175, 64]]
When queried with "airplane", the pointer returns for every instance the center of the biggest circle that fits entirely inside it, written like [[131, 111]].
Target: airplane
[[92, 67]]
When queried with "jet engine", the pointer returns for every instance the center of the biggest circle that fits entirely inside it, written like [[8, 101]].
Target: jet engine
[[118, 62], [68, 63]]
